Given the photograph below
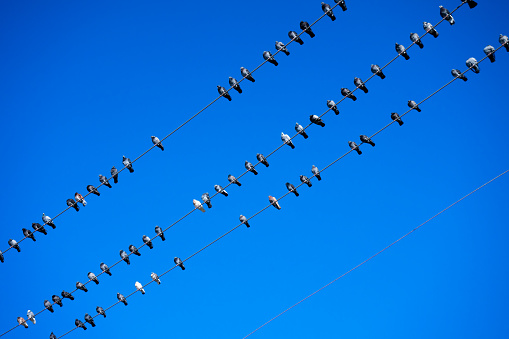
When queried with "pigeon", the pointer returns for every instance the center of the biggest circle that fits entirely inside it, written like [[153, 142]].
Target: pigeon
[[347, 93], [249, 166], [413, 105], [139, 287], [316, 172], [222, 92], [128, 164], [22, 321], [125, 257], [155, 277], [246, 74], [315, 119], [416, 39], [104, 180], [79, 323], [367, 140], [287, 140], [457, 74], [301, 130], [93, 190], [89, 319], [198, 205], [92, 277], [56, 299], [71, 203], [233, 82], [233, 180], [281, 47], [471, 3], [48, 221], [328, 10], [354, 146], [402, 51], [39, 228], [274, 202], [82, 287], [48, 305], [490, 52], [504, 41], [114, 174], [341, 4], [243, 220], [395, 117], [472, 64], [305, 27], [429, 28], [52, 336], [121, 298], [220, 189], [157, 142], [295, 37], [67, 295], [134, 250], [105, 268], [262, 159], [205, 197], [268, 56], [79, 198], [179, 263], [14, 244], [1, 256], [445, 14], [28, 234], [292, 189], [160, 233], [147, 241], [375, 69], [306, 180], [31, 316], [100, 310], [332, 105], [359, 84]]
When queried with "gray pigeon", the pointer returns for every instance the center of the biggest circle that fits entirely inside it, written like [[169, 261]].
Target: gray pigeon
[[490, 52], [28, 234], [395, 117], [125, 257], [105, 268], [295, 37], [100, 311], [367, 140], [249, 166], [332, 105], [48, 306], [413, 105], [306, 180], [205, 197], [22, 321], [315, 119], [243, 220], [347, 93], [342, 4], [222, 92], [246, 74], [306, 28], [114, 174], [316, 173], [220, 189], [401, 50], [93, 190], [155, 277], [71, 203], [233, 180], [104, 180], [1, 256], [92, 277], [128, 164], [287, 140], [67, 295], [179, 263], [473, 64], [416, 39], [39, 228], [359, 84], [56, 299], [268, 56], [504, 40], [430, 29], [292, 189], [354, 146], [31, 316], [80, 323], [375, 69], [160, 233], [274, 202], [328, 10], [89, 319], [121, 298], [80, 286], [445, 14], [134, 250], [457, 74], [262, 159], [471, 3], [48, 221], [301, 130], [157, 142], [233, 83], [281, 47], [52, 336], [146, 240], [14, 244]]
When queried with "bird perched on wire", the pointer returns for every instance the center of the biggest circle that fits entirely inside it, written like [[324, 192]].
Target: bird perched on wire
[[71, 203], [233, 83], [222, 92], [121, 298], [52, 336], [198, 205], [205, 197], [82, 287], [367, 140], [292, 189], [134, 250], [395, 117], [445, 14], [342, 4], [114, 174], [287, 140], [413, 105], [93, 277], [306, 28], [157, 142], [56, 299], [155, 277], [315, 119], [179, 263], [1, 257], [328, 10], [347, 93], [471, 3], [28, 234], [355, 147], [233, 180], [104, 181], [274, 202], [430, 29], [67, 295], [490, 52], [93, 190], [295, 37], [243, 220], [22, 322], [48, 221], [416, 39], [268, 56], [125, 257], [31, 316], [39, 228], [246, 74], [220, 189], [332, 105], [89, 319], [14, 244], [457, 74], [249, 166], [80, 324], [359, 84], [473, 64], [139, 287], [105, 268], [402, 51], [160, 233], [100, 311], [262, 159], [306, 180], [504, 40], [281, 47], [316, 172], [79, 198], [48, 306], [146, 240], [301, 130], [375, 69], [128, 164]]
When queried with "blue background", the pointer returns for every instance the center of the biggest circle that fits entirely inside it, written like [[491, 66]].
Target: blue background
[[84, 83]]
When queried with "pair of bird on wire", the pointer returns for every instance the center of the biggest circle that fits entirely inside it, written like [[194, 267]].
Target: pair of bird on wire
[[395, 116], [489, 50]]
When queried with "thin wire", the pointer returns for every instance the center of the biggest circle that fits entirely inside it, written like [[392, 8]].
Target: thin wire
[[376, 254]]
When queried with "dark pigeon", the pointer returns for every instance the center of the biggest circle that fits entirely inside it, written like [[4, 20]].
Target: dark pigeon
[[233, 83], [416, 39], [56, 299], [342, 4], [39, 228], [28, 234], [306, 28], [457, 74], [367, 140], [281, 47], [222, 91], [104, 181], [395, 117], [504, 41], [490, 52], [249, 166], [147, 241], [375, 69], [332, 105], [220, 189], [14, 244], [128, 164], [48, 305], [294, 36], [93, 277], [262, 159], [347, 93], [402, 51], [328, 10], [71, 203], [354, 146], [80, 323], [268, 56], [287, 140], [80, 286], [246, 74], [430, 29], [233, 180], [125, 257], [114, 174], [105, 268], [413, 105], [301, 130], [445, 14], [134, 250], [67, 295], [205, 197], [157, 142], [100, 311], [471, 3], [359, 84], [316, 172], [89, 319], [179, 263], [160, 233], [306, 180], [292, 189], [93, 190], [121, 298]]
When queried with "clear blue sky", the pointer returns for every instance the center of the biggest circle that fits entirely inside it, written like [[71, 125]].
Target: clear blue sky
[[84, 83]]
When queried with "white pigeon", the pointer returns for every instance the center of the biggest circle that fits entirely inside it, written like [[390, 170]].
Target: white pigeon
[[155, 277], [139, 287], [198, 205], [31, 316]]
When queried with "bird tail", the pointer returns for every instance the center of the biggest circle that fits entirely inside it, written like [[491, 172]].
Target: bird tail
[[266, 164], [507, 47], [472, 4], [364, 89], [247, 224], [162, 235], [323, 124], [332, 16], [131, 170], [109, 185], [492, 57], [418, 109], [161, 147], [125, 302], [434, 33], [318, 177], [51, 309], [17, 248], [420, 44], [85, 289], [304, 134], [292, 145], [152, 246], [76, 207], [299, 40], [250, 78], [406, 56], [128, 261], [97, 193], [382, 76], [84, 202], [354, 98], [335, 109], [142, 291], [277, 206], [228, 97], [309, 183], [158, 282], [115, 179], [238, 183], [226, 193], [358, 151], [183, 268], [372, 143], [451, 21], [274, 62], [286, 52], [310, 32], [93, 325], [296, 193], [254, 171], [96, 281], [464, 78], [71, 297], [239, 89], [25, 324], [343, 6]]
